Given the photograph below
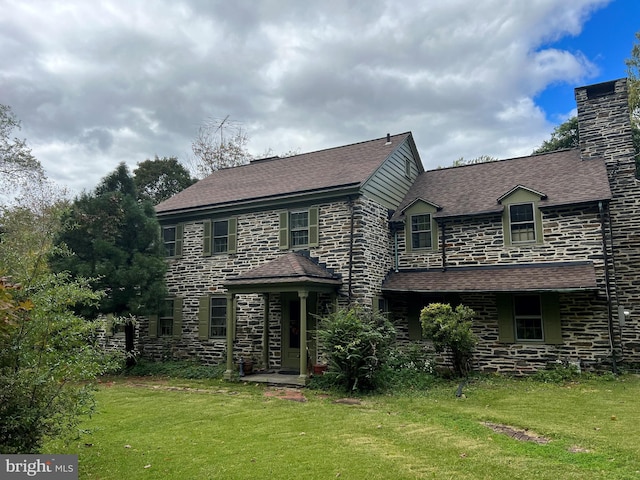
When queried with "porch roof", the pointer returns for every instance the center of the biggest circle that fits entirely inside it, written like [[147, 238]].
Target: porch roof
[[289, 272], [559, 276]]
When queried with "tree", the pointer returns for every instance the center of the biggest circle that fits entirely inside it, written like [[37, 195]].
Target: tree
[[220, 144], [450, 330], [565, 135], [481, 159], [114, 240], [17, 164], [161, 178], [48, 354]]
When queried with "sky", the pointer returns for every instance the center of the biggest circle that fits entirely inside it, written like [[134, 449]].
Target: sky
[[96, 83]]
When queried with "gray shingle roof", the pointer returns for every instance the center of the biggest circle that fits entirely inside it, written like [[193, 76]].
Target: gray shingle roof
[[349, 165], [475, 189], [564, 276]]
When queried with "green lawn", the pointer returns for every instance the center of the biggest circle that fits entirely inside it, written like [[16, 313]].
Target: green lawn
[[219, 430]]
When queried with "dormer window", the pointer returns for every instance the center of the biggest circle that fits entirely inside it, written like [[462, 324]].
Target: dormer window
[[522, 223]]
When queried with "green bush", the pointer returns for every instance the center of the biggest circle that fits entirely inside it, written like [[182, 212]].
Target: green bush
[[175, 369], [450, 331], [357, 343]]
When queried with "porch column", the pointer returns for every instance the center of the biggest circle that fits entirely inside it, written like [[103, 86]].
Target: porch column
[[303, 294], [228, 374], [265, 332]]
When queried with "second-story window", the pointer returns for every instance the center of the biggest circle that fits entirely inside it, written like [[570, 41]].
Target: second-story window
[[172, 240], [522, 223], [421, 231], [299, 228], [220, 236]]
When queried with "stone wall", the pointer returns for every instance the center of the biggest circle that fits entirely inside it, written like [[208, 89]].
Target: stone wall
[[194, 275]]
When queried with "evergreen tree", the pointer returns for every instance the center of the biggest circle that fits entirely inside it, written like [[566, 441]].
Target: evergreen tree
[[113, 239]]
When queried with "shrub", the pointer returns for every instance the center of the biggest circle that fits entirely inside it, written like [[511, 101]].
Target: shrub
[[450, 330], [357, 343]]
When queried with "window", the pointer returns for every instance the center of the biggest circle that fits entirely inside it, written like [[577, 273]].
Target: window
[[527, 311], [522, 223], [168, 321], [529, 317], [212, 317], [421, 231], [220, 236], [299, 228], [299, 222], [218, 324], [165, 320], [169, 241]]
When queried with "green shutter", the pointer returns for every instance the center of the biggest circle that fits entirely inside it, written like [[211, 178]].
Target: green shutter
[[203, 317], [506, 333], [551, 318], [177, 317], [153, 326], [284, 230], [413, 319], [206, 241], [233, 235], [108, 327], [313, 227], [179, 235]]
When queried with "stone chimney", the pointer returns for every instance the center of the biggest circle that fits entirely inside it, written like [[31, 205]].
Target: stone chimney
[[605, 126]]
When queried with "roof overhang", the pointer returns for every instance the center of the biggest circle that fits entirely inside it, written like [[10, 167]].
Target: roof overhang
[[539, 277]]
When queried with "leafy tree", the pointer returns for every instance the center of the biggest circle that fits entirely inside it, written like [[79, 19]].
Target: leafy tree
[[450, 330], [48, 354], [565, 135], [161, 178], [220, 144], [357, 344], [633, 74], [114, 240], [17, 164], [481, 159]]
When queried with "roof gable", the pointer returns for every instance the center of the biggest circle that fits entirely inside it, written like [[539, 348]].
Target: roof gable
[[337, 168]]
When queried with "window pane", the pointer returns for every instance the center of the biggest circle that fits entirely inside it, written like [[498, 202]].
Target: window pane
[[165, 321], [300, 237], [299, 220], [528, 317], [521, 213], [218, 317], [421, 231], [220, 245], [220, 229], [169, 240]]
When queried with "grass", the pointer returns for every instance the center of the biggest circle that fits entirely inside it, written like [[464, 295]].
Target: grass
[[206, 429]]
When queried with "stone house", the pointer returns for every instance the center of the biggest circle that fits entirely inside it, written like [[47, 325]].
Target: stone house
[[545, 249]]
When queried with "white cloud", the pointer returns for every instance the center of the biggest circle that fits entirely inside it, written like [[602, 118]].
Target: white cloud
[[99, 83]]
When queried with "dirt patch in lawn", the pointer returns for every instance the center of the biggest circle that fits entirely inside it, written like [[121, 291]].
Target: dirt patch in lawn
[[293, 394], [519, 434]]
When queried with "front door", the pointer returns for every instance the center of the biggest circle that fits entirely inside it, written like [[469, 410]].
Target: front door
[[291, 333], [291, 340]]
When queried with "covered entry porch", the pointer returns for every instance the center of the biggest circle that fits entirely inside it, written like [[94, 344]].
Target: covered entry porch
[[300, 288]]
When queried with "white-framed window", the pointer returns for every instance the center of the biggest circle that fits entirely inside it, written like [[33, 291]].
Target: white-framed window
[[299, 228], [421, 233], [522, 223]]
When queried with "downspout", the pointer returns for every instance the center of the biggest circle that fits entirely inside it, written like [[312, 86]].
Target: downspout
[[443, 246], [351, 240], [395, 249], [605, 256]]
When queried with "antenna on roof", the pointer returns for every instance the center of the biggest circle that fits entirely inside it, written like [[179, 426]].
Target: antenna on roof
[[388, 139]]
